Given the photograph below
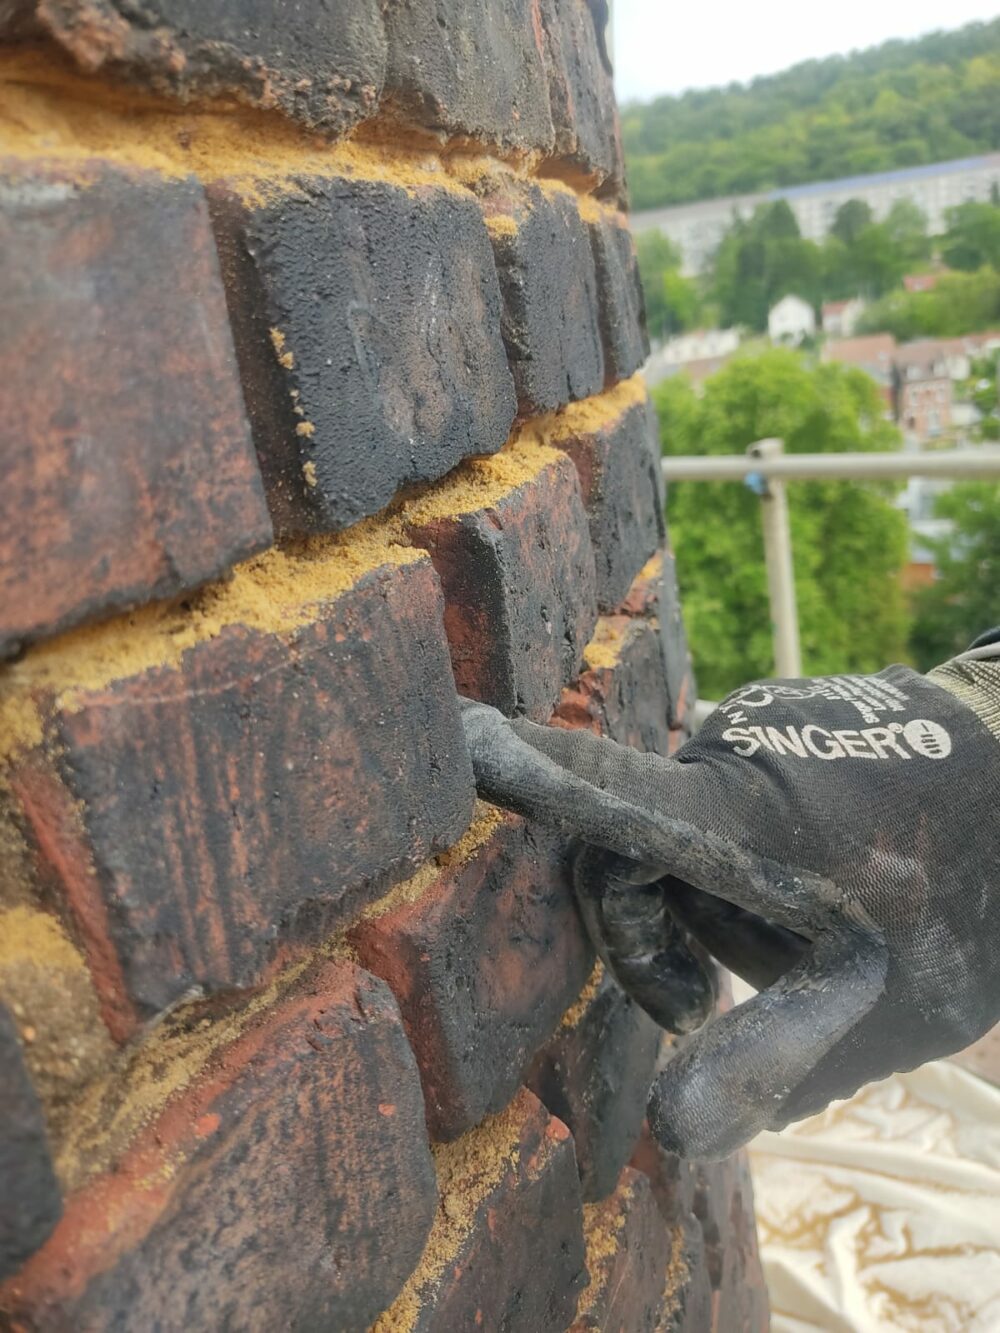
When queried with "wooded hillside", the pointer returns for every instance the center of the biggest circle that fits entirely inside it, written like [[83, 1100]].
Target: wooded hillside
[[895, 105]]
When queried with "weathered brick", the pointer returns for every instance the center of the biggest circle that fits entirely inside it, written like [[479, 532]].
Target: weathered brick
[[595, 1073], [30, 1200], [128, 468], [367, 324], [654, 594], [623, 692], [506, 1250], [628, 1253], [582, 93], [723, 1205], [623, 310], [509, 539], [484, 953], [207, 782], [323, 65], [688, 1306], [268, 1170], [551, 314], [673, 1179], [470, 71], [612, 441]]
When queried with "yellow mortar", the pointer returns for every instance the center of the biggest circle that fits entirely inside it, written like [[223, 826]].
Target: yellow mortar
[[51, 112], [587, 416], [603, 652], [467, 1171], [487, 818], [577, 1010], [602, 1228], [479, 483], [275, 592]]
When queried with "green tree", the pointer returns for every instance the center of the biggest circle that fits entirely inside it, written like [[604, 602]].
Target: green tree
[[964, 600], [972, 240], [673, 302], [761, 260], [960, 303], [906, 226], [852, 218], [850, 543]]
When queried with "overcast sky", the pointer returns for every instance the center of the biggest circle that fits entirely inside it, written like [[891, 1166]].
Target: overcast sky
[[665, 46]]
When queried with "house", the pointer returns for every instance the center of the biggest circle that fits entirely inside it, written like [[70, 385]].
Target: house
[[791, 320], [700, 345], [840, 318], [874, 354], [923, 390], [921, 282]]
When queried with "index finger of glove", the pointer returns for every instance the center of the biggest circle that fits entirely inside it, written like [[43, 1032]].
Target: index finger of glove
[[663, 823]]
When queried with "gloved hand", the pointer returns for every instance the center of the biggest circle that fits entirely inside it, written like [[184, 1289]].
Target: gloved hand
[[834, 841]]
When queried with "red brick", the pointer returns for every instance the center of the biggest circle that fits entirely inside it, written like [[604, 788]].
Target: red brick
[[595, 1073], [654, 594], [30, 1201], [623, 309], [367, 323], [613, 442], [674, 1181], [689, 1304], [623, 694], [628, 1254], [484, 954], [509, 539], [129, 473], [287, 1182], [551, 313], [724, 1206], [323, 65], [506, 1251], [470, 70], [210, 783], [582, 93]]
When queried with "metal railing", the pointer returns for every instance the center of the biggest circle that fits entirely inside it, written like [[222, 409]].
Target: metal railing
[[765, 468]]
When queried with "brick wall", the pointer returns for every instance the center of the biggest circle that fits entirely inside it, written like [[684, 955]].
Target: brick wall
[[319, 404]]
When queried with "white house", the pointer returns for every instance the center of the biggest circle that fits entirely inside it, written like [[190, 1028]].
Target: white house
[[791, 320], [699, 345], [840, 318]]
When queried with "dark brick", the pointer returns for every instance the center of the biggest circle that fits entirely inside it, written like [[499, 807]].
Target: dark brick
[[595, 1074], [287, 1185], [30, 1199], [484, 960], [673, 1179], [510, 541], [623, 310], [612, 440], [298, 750], [654, 594], [506, 1251], [584, 111], [470, 71], [724, 1206], [367, 324], [551, 317], [128, 468], [321, 64], [628, 1253], [623, 693]]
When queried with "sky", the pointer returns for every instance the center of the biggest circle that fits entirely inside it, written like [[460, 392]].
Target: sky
[[665, 46]]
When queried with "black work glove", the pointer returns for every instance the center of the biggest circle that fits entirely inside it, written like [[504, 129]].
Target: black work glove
[[836, 842]]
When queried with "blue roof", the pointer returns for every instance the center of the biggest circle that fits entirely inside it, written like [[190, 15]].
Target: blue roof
[[887, 177]]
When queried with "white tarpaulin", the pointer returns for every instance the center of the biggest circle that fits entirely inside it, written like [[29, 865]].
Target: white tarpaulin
[[883, 1213]]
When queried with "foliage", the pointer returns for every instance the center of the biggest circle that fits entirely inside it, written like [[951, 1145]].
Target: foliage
[[673, 302], [972, 240], [760, 261], [850, 542], [964, 600], [896, 105], [960, 303]]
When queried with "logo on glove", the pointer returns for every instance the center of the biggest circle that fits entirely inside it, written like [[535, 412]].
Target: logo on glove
[[917, 739]]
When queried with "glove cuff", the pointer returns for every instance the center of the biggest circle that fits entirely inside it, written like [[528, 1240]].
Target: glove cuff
[[974, 680]]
